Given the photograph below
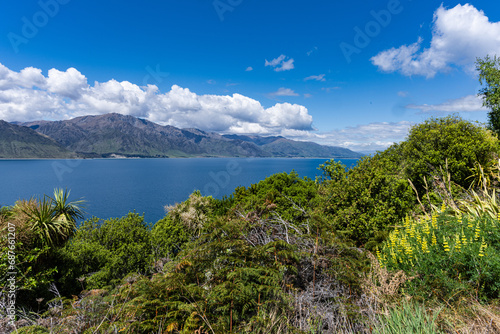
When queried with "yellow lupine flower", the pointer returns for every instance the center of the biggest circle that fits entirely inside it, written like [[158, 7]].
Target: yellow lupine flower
[[482, 248], [476, 234], [425, 249], [443, 207], [434, 221], [434, 240], [457, 242], [407, 222], [426, 228], [464, 239], [445, 245]]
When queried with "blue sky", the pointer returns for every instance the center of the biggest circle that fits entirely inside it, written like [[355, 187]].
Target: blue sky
[[354, 74]]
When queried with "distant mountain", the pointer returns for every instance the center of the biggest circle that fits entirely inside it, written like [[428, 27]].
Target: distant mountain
[[19, 142], [282, 147], [115, 134]]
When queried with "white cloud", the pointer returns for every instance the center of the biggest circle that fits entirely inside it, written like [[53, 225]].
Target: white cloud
[[307, 96], [459, 35], [403, 93], [467, 103], [284, 92], [362, 138], [280, 64], [249, 68], [29, 95], [320, 77]]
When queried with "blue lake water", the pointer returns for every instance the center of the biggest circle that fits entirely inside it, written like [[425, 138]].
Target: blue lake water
[[113, 187]]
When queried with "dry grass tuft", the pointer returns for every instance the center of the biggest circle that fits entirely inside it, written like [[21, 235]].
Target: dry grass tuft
[[380, 283]]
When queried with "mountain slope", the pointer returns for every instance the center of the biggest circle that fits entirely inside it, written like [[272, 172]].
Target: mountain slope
[[20, 142], [282, 147], [116, 134], [109, 134]]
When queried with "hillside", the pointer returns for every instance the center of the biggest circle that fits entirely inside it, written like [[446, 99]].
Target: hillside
[[116, 134], [20, 142], [282, 147]]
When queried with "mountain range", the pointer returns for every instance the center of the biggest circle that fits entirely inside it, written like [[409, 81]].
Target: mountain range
[[116, 135]]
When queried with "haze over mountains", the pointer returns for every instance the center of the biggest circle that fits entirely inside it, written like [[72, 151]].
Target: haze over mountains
[[112, 135]]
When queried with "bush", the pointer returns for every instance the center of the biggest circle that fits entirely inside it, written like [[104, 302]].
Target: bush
[[103, 252], [281, 193], [447, 255]]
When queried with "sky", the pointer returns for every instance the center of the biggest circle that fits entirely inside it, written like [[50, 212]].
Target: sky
[[356, 74]]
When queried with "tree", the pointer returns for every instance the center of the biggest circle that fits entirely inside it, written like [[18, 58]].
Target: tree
[[489, 74]]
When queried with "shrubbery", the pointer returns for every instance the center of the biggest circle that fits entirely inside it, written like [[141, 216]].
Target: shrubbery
[[285, 255]]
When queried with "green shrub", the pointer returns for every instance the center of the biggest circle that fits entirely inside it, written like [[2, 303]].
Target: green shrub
[[32, 330], [281, 193], [103, 252], [447, 255]]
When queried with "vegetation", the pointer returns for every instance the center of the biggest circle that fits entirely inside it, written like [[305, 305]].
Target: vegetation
[[406, 241], [489, 74]]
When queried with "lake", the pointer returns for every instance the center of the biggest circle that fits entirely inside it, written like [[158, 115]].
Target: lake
[[113, 187]]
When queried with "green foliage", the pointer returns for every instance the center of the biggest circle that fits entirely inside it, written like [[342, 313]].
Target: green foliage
[[281, 193], [168, 237], [448, 141], [371, 197], [376, 194], [489, 74], [32, 330], [447, 255], [53, 220], [407, 319], [103, 252]]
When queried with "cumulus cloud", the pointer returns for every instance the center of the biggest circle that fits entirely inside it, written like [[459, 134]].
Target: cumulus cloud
[[459, 35], [281, 64], [361, 138], [284, 92], [320, 77], [28, 95], [469, 103]]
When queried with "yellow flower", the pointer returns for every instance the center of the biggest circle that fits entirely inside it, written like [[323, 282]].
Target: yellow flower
[[434, 221], [434, 240], [464, 239], [443, 207], [457, 242], [482, 248], [425, 249], [476, 234], [445, 245]]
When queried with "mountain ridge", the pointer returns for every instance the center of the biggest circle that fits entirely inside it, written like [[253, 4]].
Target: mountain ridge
[[115, 134]]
